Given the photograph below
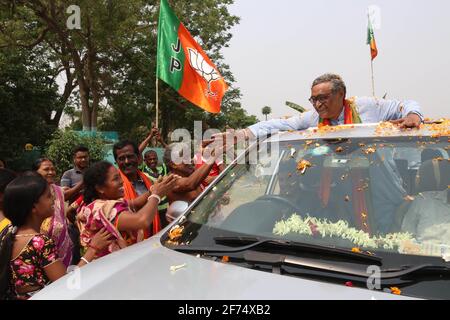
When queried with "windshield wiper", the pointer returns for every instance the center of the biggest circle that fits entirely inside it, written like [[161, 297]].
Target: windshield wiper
[[278, 260], [247, 243]]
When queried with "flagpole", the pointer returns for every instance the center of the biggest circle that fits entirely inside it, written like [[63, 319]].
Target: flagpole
[[369, 25], [373, 79], [157, 103], [157, 73]]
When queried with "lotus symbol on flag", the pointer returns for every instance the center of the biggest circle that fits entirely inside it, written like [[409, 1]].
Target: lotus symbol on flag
[[202, 67]]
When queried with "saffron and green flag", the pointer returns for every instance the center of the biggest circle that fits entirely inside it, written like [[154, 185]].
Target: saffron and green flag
[[184, 66], [371, 41]]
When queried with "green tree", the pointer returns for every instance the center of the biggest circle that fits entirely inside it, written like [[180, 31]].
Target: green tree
[[266, 111], [86, 56], [62, 143], [109, 64], [296, 107], [132, 105], [29, 101]]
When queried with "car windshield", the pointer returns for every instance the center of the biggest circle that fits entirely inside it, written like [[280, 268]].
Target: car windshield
[[376, 194]]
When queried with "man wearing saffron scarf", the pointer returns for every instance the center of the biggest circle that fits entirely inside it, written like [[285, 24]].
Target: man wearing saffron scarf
[[328, 96], [135, 182]]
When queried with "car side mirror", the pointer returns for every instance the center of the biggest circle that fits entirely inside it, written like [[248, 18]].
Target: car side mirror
[[176, 209]]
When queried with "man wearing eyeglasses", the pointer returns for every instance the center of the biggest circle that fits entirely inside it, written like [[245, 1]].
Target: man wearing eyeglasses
[[328, 96]]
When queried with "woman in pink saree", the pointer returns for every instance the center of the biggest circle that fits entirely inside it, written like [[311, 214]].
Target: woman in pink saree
[[55, 227], [106, 208]]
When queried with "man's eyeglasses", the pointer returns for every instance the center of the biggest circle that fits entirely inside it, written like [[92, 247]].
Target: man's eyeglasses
[[320, 98]]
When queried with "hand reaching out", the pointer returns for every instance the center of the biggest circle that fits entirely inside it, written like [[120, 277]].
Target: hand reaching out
[[102, 239], [412, 120], [163, 187]]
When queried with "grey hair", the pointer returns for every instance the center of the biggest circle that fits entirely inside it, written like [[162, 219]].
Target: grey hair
[[336, 80]]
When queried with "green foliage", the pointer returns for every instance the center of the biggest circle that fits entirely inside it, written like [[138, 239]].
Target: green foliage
[[266, 111], [296, 107], [28, 95], [61, 145], [132, 103], [112, 60]]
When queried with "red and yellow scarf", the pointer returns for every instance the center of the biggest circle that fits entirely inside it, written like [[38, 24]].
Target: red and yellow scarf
[[351, 115]]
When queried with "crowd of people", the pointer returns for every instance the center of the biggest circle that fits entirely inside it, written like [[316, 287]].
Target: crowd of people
[[95, 209], [47, 225]]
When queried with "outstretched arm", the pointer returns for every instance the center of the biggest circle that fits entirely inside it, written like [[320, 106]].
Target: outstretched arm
[[147, 140], [161, 140], [143, 218], [192, 182], [406, 113]]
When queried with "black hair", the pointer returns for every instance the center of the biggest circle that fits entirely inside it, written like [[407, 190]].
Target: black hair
[[6, 176], [94, 176], [19, 198], [151, 151], [80, 149], [38, 162], [21, 195], [122, 144]]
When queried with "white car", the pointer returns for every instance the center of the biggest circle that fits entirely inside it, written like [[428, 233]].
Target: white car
[[332, 213]]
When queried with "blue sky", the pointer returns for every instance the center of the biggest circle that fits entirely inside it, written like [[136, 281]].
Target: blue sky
[[281, 46]]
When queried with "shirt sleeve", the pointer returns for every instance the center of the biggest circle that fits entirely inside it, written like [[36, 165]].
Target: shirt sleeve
[[396, 109], [118, 208], [66, 181], [264, 128]]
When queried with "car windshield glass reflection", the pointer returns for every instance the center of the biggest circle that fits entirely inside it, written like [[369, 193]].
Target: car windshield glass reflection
[[379, 194]]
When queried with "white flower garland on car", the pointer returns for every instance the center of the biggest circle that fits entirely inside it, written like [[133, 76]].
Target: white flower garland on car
[[340, 229]]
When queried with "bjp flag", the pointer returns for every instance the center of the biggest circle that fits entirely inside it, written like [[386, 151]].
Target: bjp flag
[[371, 41], [184, 66]]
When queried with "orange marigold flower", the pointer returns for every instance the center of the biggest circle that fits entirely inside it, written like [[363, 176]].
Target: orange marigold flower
[[396, 290], [356, 250], [303, 165], [225, 259], [176, 233]]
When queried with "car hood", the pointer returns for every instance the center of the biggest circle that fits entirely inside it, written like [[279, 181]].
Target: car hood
[[143, 271]]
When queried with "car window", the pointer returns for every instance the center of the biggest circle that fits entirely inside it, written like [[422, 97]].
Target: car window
[[353, 193]]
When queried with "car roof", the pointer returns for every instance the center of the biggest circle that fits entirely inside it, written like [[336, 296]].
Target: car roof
[[372, 130]]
